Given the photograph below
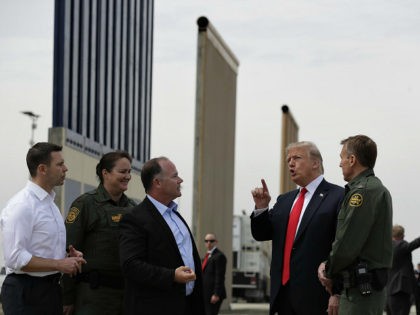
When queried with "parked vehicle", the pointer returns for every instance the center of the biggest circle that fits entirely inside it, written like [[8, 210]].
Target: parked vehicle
[[251, 263]]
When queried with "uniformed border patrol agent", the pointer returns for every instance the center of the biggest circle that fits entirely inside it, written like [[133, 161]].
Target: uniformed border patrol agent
[[92, 224], [362, 251]]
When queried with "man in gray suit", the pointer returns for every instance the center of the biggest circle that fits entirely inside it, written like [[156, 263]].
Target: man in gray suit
[[401, 283]]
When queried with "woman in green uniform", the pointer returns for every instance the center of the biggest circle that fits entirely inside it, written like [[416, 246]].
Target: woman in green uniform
[[92, 227]]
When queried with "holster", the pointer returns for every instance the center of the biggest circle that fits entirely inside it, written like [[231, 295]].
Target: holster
[[352, 277]]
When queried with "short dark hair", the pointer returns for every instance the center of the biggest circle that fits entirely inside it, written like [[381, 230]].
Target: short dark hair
[[149, 170], [363, 147], [40, 153], [108, 161]]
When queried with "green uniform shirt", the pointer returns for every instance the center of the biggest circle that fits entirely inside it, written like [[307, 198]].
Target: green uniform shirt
[[364, 227], [92, 227]]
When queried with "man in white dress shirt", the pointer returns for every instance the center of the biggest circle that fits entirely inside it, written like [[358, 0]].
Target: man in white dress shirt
[[34, 239]]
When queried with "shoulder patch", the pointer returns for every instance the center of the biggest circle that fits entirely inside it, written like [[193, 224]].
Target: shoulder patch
[[72, 215], [356, 200]]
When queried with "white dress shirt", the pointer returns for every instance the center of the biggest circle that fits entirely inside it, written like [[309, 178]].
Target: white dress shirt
[[32, 225], [210, 252], [311, 188]]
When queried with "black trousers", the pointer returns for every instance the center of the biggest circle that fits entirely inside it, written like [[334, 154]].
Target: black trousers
[[189, 306], [212, 309], [289, 301], [283, 302], [417, 298], [22, 294], [399, 304]]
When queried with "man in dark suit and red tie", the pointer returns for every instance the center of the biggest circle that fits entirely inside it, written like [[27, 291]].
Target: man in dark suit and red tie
[[301, 226], [214, 269]]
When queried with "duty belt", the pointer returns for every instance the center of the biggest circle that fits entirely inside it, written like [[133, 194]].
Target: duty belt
[[97, 279], [376, 277]]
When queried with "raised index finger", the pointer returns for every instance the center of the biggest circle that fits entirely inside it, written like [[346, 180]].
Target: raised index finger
[[264, 185]]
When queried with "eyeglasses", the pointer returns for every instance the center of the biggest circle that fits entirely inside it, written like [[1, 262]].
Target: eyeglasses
[[209, 241]]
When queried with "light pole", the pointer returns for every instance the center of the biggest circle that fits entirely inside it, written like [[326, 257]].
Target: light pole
[[34, 118]]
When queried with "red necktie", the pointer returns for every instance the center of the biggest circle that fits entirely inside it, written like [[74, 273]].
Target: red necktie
[[290, 235], [204, 263]]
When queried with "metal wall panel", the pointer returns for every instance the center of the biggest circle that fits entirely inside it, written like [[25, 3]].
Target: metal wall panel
[[214, 148], [289, 134]]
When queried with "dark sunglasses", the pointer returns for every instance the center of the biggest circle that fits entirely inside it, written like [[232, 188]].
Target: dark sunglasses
[[211, 241]]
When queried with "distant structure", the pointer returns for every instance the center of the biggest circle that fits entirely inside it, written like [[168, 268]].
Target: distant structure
[[102, 86], [289, 134], [214, 145], [34, 117]]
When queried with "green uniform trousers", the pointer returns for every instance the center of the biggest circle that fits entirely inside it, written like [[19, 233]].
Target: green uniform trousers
[[100, 301], [353, 303]]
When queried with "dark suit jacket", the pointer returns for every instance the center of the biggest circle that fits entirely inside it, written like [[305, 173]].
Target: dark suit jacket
[[312, 245], [149, 256], [214, 276], [401, 275]]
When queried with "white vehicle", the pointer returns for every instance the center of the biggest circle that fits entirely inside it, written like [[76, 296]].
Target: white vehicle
[[251, 263]]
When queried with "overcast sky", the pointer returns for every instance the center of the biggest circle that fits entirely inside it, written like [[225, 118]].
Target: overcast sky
[[343, 67]]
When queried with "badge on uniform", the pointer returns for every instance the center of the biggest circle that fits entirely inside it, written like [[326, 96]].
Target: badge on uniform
[[116, 218], [73, 213], [356, 200]]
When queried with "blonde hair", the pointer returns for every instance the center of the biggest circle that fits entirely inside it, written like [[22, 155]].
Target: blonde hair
[[312, 150]]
